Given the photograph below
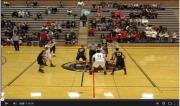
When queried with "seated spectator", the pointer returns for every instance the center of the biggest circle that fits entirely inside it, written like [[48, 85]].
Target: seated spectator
[[54, 10], [80, 3], [58, 28], [15, 14], [35, 3], [161, 37], [48, 11], [99, 11], [93, 23], [6, 3], [29, 3], [103, 39], [174, 36], [91, 32], [45, 28], [166, 37], [8, 42], [73, 37], [24, 28], [123, 36], [67, 38], [103, 19], [20, 14], [117, 30], [61, 5], [27, 13], [94, 6], [69, 12], [39, 15]]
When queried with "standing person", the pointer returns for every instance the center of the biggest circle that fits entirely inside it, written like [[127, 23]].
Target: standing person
[[92, 50], [98, 60], [119, 58], [15, 39], [41, 61], [83, 18]]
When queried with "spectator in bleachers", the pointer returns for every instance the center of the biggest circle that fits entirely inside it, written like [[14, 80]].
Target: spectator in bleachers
[[80, 3], [58, 27], [73, 37], [31, 3], [48, 11], [117, 30], [83, 18], [103, 19], [50, 34], [166, 37], [67, 38], [144, 22], [39, 15], [103, 39], [27, 14], [45, 28], [161, 37], [174, 36], [61, 4], [6, 3], [15, 14], [35, 3], [42, 38], [24, 28], [99, 11], [54, 10], [93, 23], [69, 12], [91, 32]]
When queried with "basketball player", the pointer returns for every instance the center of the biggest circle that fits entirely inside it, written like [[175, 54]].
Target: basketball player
[[98, 60], [119, 57], [114, 46], [53, 46], [48, 55], [41, 61], [81, 54]]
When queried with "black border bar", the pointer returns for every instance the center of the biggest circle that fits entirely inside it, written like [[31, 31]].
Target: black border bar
[[90, 102]]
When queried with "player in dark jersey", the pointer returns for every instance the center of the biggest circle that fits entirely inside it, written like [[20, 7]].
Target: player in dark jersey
[[81, 54], [120, 64], [41, 61]]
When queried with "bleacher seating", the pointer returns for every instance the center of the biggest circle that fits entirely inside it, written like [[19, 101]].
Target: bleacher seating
[[35, 25]]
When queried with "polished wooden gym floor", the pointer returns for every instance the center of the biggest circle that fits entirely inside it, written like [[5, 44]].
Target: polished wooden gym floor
[[151, 70]]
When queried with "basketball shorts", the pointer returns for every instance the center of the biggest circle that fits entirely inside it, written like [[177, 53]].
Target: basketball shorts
[[97, 64]]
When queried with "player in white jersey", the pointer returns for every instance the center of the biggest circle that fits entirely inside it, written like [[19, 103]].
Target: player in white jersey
[[98, 60], [48, 55]]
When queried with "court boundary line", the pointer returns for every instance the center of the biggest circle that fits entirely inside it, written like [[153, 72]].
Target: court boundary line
[[147, 77], [14, 79], [116, 86], [75, 86]]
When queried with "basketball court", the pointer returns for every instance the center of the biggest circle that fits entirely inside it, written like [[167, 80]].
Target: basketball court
[[150, 70]]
